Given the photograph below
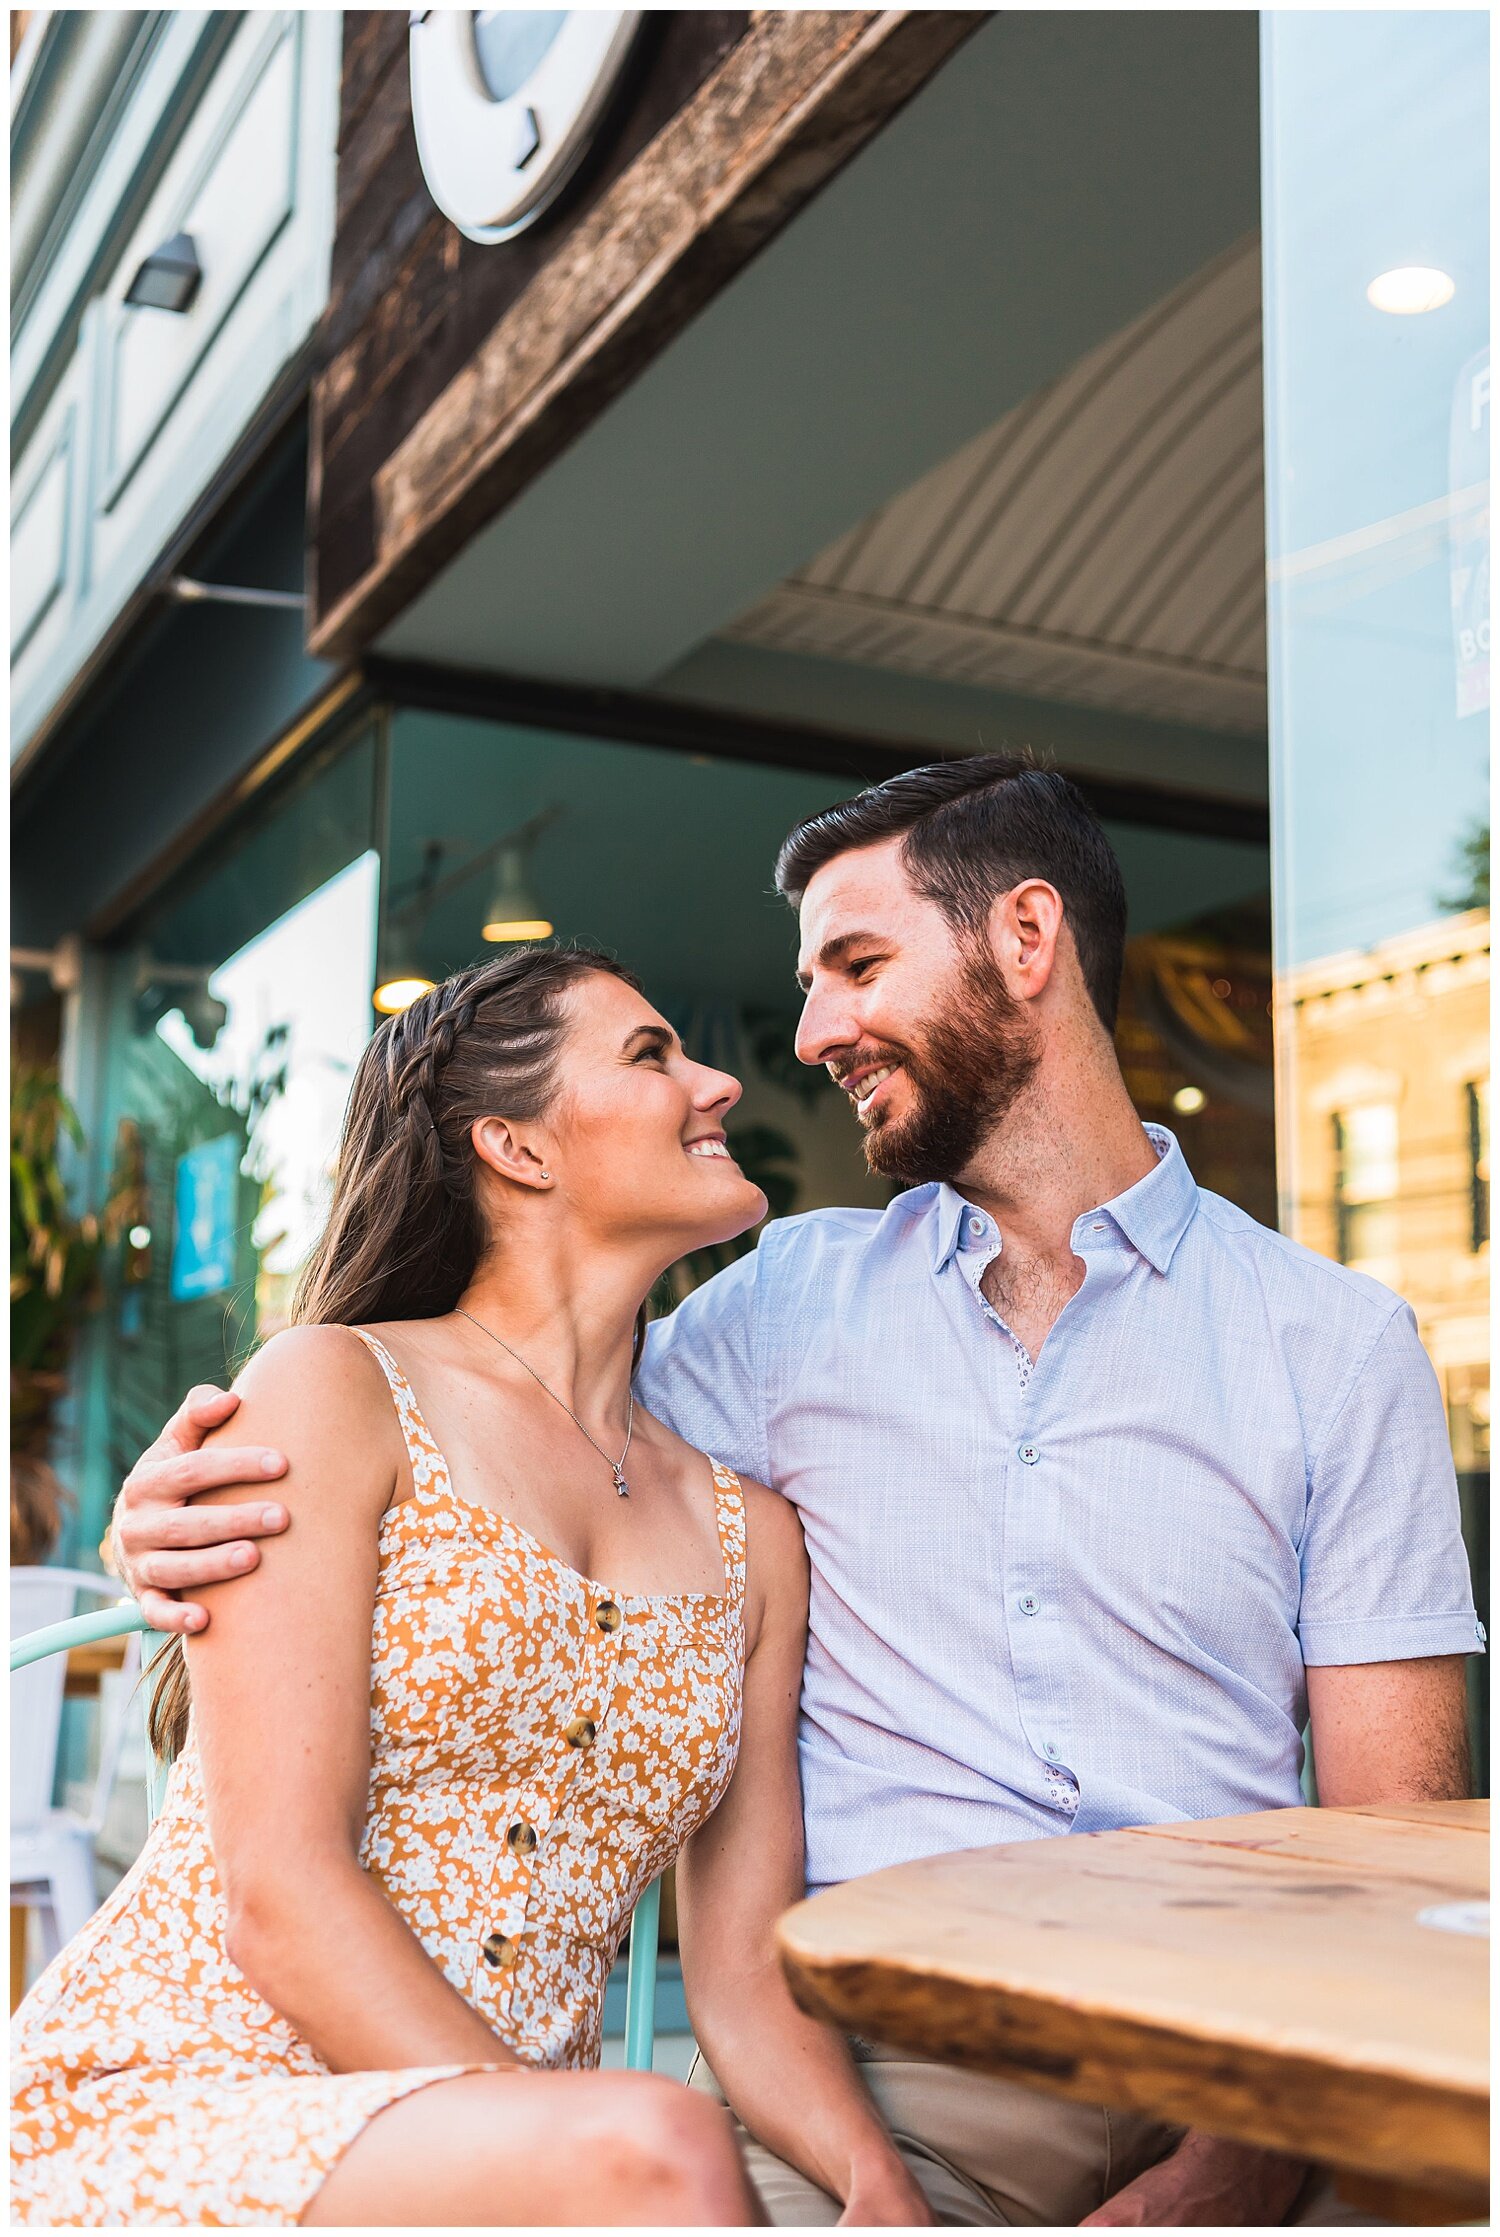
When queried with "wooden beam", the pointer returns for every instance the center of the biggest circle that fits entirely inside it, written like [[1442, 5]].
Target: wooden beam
[[679, 726], [791, 103]]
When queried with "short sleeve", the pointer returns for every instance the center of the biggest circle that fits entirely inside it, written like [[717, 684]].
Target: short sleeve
[[700, 1374], [1385, 1577]]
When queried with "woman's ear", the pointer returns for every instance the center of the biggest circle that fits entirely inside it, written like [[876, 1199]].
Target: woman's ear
[[502, 1147]]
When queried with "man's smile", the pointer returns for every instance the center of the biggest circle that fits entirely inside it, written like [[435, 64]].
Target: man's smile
[[864, 1083]]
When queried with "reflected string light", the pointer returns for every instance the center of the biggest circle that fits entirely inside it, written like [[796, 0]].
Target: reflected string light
[[1189, 1100], [1409, 289]]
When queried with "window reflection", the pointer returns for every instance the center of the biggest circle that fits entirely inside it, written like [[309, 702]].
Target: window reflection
[[248, 1005], [1377, 438]]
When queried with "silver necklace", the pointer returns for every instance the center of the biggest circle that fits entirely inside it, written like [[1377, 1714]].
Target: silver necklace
[[615, 1467]]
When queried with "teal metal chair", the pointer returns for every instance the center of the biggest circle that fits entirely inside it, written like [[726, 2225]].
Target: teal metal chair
[[125, 1618]]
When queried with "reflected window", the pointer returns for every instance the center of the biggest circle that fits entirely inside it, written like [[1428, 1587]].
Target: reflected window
[[1365, 1183], [1477, 1112], [294, 1011]]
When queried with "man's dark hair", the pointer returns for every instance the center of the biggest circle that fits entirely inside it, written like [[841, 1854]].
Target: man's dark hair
[[971, 830]]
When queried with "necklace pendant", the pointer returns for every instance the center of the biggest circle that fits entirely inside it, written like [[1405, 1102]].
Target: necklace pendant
[[621, 1486]]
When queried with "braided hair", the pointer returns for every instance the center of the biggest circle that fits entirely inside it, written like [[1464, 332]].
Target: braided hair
[[405, 1233]]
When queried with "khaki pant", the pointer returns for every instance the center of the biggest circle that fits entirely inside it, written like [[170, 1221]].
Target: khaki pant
[[990, 2154]]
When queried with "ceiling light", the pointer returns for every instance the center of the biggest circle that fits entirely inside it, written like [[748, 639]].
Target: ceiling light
[[1409, 289], [399, 991], [1189, 1100], [403, 981], [514, 912]]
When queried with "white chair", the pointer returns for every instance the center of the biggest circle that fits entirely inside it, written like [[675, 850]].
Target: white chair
[[52, 1848]]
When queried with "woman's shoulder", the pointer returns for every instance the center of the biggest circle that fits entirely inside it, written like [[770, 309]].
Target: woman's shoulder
[[773, 1530], [309, 1348], [317, 1394], [317, 1367]]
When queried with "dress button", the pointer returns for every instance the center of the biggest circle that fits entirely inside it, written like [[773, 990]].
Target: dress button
[[1029, 1603], [521, 1839], [976, 1227], [1050, 1751], [607, 1616], [580, 1733], [1029, 1454], [498, 1951]]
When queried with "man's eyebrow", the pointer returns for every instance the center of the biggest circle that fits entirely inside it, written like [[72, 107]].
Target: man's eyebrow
[[834, 951], [660, 1034]]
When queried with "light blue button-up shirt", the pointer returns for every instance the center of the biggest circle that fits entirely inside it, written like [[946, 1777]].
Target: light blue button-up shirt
[[1229, 1461]]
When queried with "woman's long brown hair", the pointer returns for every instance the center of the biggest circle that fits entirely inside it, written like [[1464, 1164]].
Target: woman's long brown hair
[[405, 1231]]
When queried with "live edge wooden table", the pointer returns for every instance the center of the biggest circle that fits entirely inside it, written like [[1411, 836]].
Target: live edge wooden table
[[1310, 1980]]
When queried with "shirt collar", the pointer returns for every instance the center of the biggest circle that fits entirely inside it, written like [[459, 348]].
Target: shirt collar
[[1153, 1214], [948, 1213]]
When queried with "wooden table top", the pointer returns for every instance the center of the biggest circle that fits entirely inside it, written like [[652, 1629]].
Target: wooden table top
[[1276, 1978]]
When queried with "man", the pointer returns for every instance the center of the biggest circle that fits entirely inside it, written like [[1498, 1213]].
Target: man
[[1107, 1490]]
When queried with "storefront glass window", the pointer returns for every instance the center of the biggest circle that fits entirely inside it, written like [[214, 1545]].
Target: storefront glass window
[[248, 991], [1377, 444], [244, 1005]]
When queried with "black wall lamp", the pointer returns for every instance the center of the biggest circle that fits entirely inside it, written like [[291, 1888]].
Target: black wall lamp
[[170, 277], [160, 987]]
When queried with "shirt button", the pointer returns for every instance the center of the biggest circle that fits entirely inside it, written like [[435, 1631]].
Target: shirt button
[[607, 1616], [580, 1733], [521, 1839], [1029, 1453], [1029, 1603], [976, 1227], [498, 1951], [1050, 1751]]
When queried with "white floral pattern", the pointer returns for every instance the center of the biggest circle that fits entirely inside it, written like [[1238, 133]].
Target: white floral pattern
[[151, 2085]]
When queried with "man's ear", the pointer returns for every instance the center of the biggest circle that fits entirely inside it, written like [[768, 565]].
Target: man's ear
[[1026, 927], [507, 1150]]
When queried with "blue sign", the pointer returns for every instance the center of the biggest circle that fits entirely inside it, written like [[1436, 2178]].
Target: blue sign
[[208, 1187]]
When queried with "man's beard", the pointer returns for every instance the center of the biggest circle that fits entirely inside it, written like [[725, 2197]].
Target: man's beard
[[978, 1054]]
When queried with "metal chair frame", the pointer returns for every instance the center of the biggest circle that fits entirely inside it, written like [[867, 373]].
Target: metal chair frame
[[125, 1618]]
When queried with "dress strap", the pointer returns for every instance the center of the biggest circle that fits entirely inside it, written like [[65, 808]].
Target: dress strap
[[429, 1469], [729, 1505]]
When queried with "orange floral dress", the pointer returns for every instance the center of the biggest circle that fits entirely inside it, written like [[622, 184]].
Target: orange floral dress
[[541, 1747]]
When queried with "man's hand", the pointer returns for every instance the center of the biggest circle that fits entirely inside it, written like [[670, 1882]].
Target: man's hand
[[161, 1546], [1206, 2184]]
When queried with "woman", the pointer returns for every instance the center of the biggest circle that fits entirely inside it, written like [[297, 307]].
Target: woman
[[472, 1703]]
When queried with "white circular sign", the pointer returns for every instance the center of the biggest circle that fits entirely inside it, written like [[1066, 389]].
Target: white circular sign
[[505, 102]]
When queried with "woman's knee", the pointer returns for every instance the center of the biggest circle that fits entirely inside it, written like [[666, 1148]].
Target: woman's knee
[[676, 2147], [584, 2149]]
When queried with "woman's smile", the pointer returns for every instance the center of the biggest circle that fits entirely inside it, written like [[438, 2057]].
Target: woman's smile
[[710, 1145]]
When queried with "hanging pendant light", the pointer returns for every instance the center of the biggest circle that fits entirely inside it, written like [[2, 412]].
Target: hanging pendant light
[[514, 912], [402, 981]]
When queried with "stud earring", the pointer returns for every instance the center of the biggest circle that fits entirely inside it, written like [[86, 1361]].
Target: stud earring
[[546, 1176]]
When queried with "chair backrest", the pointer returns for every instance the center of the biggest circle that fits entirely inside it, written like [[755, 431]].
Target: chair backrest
[[39, 1597], [46, 1593], [117, 1689]]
